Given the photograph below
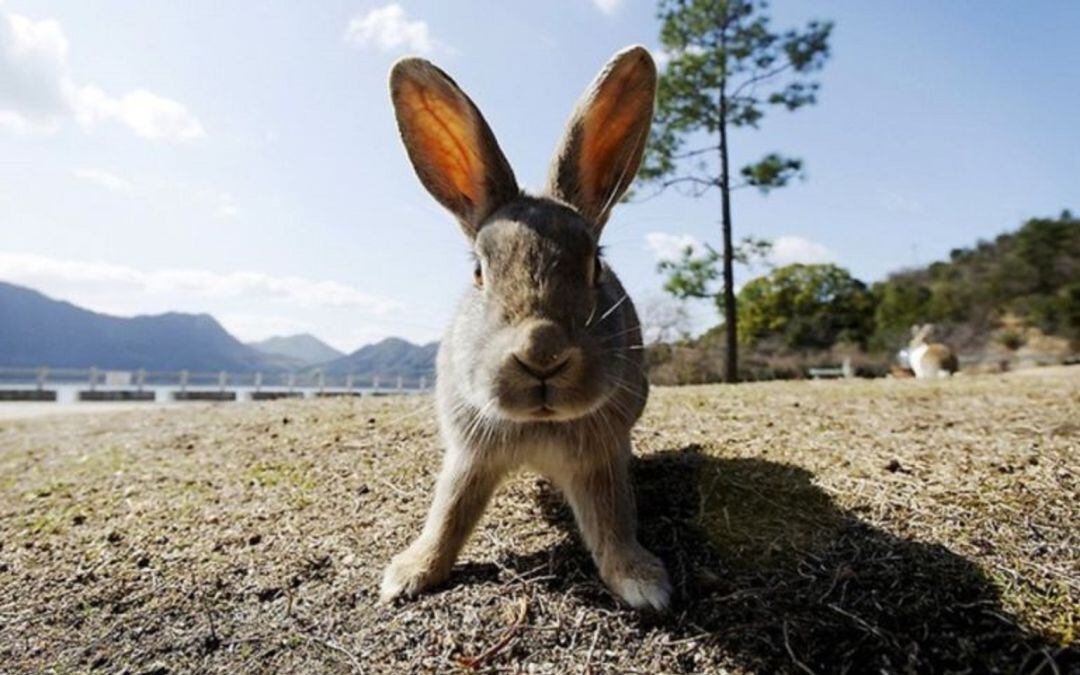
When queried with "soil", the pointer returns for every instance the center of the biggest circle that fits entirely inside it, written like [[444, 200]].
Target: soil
[[843, 526]]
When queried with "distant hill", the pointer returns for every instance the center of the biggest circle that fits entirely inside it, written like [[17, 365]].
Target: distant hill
[[36, 330], [391, 357], [304, 349]]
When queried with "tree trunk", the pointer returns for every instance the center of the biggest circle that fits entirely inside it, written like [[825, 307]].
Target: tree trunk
[[731, 360]]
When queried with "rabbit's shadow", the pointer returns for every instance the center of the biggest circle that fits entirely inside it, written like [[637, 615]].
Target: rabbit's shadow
[[769, 566]]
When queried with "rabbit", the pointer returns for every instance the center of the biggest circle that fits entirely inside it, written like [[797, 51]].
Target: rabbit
[[541, 367], [929, 360]]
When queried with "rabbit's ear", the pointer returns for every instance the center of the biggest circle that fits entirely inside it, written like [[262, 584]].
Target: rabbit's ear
[[449, 143], [606, 136]]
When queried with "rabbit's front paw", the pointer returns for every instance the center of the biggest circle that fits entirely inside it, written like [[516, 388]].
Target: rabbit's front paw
[[409, 573], [640, 580]]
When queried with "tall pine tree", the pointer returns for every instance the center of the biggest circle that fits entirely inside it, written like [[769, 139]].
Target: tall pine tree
[[726, 68]]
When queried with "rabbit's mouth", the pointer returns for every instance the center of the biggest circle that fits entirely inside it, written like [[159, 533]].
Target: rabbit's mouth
[[563, 398], [538, 404], [547, 413]]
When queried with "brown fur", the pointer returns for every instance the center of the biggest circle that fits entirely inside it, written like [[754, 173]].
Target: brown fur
[[943, 357], [541, 368]]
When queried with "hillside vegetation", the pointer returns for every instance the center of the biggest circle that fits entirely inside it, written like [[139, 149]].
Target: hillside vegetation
[[1013, 299], [864, 526], [1031, 275]]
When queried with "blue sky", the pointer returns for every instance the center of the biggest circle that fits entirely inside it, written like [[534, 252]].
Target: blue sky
[[240, 158]]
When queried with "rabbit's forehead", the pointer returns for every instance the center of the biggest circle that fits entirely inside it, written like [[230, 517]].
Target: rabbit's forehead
[[536, 269], [518, 242]]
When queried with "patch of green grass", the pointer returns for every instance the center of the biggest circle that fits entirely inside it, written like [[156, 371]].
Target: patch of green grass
[[272, 474]]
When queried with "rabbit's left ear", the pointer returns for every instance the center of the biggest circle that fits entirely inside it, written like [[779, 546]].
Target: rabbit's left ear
[[605, 139]]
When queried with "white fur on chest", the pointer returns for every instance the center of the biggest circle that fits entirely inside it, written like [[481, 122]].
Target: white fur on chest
[[918, 365]]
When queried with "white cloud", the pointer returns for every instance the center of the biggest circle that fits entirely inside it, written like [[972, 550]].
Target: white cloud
[[250, 305], [667, 246], [40, 92], [607, 6], [104, 179], [250, 327], [33, 68], [788, 249], [148, 115], [221, 204], [898, 203], [226, 207], [389, 28], [106, 286], [663, 57]]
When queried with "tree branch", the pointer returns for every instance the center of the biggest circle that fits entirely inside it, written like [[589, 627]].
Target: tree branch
[[692, 153], [696, 180], [759, 78], [700, 185]]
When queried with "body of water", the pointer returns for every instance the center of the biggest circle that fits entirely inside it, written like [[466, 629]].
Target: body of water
[[68, 394]]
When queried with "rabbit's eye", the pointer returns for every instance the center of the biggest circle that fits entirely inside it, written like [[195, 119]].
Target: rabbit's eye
[[478, 275]]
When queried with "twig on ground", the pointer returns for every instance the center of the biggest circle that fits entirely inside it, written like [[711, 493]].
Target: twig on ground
[[794, 659], [857, 619], [592, 647], [474, 662], [403, 493], [353, 661]]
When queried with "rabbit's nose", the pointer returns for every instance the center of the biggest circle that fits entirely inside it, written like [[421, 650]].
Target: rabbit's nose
[[544, 350]]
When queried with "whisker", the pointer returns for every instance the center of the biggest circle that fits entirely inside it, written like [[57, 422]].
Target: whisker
[[627, 348], [621, 333], [477, 423], [591, 315], [639, 366], [625, 386], [425, 406], [613, 308], [621, 408], [610, 201]]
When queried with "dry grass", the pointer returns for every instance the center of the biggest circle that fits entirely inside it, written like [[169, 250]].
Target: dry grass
[[809, 527]]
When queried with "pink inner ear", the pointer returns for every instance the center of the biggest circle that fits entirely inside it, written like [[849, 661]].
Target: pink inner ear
[[608, 131], [442, 135]]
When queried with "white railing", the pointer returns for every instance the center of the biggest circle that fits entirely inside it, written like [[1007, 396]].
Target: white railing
[[44, 383]]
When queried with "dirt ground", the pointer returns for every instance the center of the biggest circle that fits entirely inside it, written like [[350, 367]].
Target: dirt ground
[[21, 410], [868, 526]]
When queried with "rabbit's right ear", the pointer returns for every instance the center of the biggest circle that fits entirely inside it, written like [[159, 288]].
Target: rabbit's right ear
[[449, 143], [920, 332]]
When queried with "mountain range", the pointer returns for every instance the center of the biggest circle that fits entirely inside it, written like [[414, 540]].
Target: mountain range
[[36, 330], [392, 355], [304, 349]]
